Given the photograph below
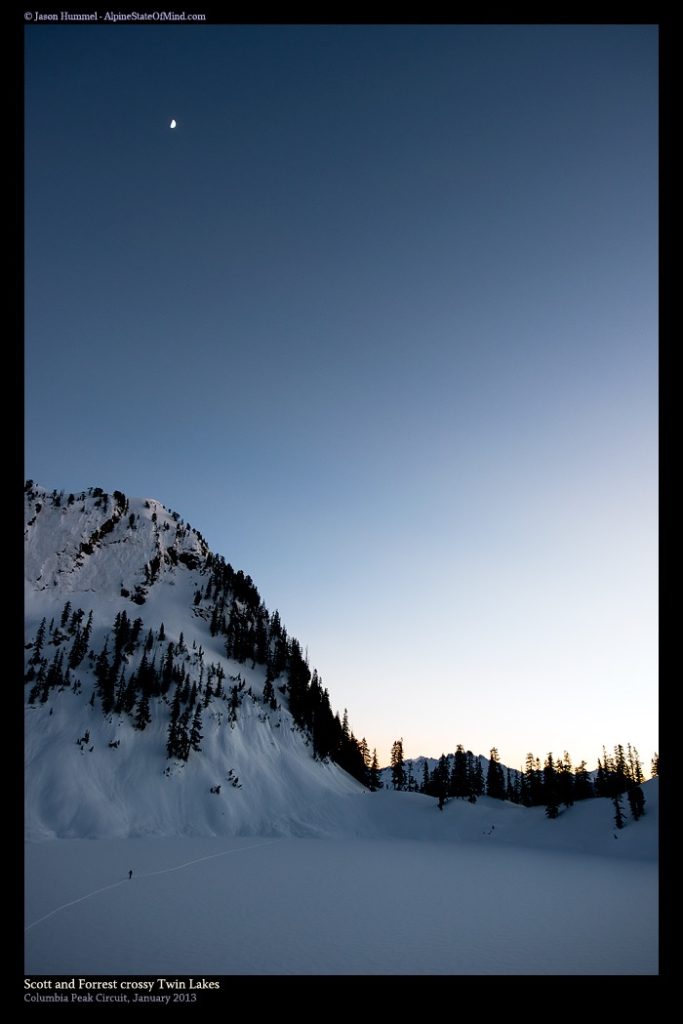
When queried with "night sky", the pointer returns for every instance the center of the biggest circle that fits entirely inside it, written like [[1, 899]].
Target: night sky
[[379, 318]]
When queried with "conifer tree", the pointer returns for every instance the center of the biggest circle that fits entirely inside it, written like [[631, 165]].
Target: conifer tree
[[398, 776], [172, 735], [79, 648], [87, 633], [120, 693], [550, 788], [620, 769], [618, 810], [121, 632], [142, 715], [600, 780], [476, 777], [375, 779], [440, 779], [524, 797], [196, 733], [635, 768], [636, 797], [411, 781], [636, 801], [55, 674], [66, 611], [565, 780], [495, 780], [533, 781], [268, 692], [41, 681], [518, 788], [182, 735], [167, 669], [102, 669], [38, 643], [233, 705], [459, 781], [260, 656], [129, 692], [583, 787], [135, 631], [37, 688]]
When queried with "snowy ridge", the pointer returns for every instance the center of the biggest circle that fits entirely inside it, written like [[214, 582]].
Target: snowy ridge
[[97, 542], [95, 775]]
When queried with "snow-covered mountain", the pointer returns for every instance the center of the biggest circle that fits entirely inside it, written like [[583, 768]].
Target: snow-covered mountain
[[140, 644], [166, 706]]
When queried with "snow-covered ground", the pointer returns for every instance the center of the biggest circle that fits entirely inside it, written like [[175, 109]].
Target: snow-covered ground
[[133, 790], [483, 889]]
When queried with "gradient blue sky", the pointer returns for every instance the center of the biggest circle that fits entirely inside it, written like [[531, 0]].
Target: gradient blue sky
[[379, 318]]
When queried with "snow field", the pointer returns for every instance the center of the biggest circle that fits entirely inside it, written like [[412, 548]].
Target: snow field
[[306, 906]]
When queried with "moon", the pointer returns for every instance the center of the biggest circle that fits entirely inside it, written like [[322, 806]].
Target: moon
[[173, 123]]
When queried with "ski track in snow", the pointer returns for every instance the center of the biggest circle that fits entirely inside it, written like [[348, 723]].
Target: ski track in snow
[[147, 874]]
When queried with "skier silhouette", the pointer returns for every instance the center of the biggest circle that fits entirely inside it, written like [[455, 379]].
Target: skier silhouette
[[130, 874]]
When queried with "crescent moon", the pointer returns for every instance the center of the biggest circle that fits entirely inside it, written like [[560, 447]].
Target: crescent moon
[[173, 123]]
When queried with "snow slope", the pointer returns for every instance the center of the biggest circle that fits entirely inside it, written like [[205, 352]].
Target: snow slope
[[458, 897], [88, 552]]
